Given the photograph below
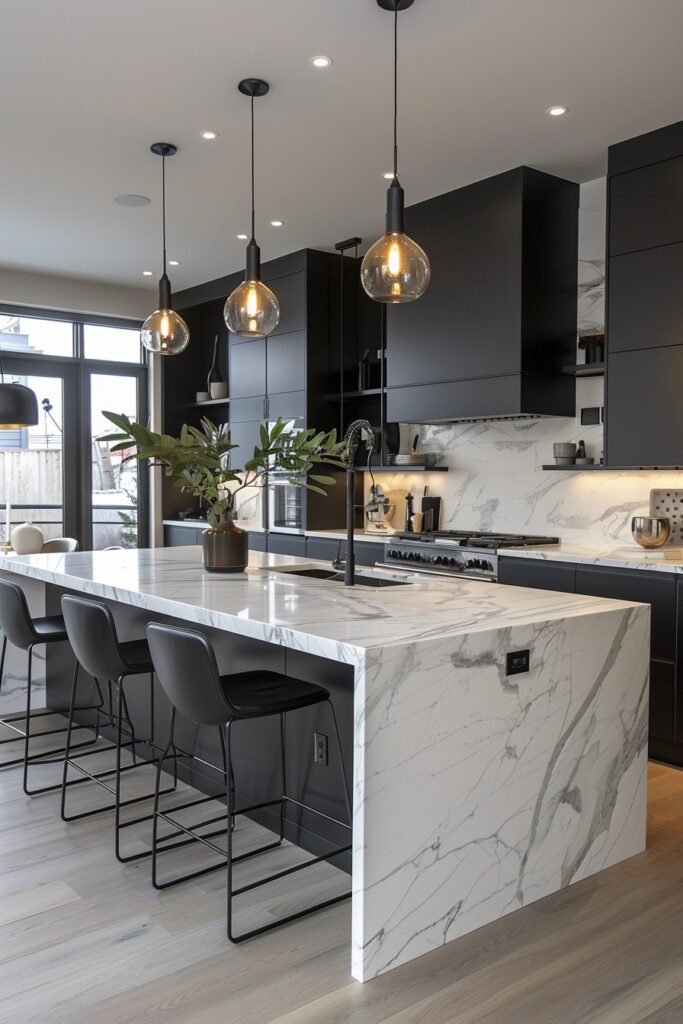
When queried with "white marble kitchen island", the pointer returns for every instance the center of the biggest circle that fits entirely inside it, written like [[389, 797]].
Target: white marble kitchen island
[[475, 792]]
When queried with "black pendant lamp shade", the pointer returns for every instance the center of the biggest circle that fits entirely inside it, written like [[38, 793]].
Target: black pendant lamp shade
[[395, 268], [18, 406], [164, 332], [252, 309]]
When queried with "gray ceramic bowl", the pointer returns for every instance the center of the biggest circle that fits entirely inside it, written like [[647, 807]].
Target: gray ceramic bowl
[[650, 531]]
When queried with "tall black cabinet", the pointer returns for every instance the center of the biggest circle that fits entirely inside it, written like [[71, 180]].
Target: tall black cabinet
[[644, 414], [293, 374]]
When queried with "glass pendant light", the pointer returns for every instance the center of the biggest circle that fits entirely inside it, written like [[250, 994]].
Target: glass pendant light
[[395, 268], [164, 332], [252, 309]]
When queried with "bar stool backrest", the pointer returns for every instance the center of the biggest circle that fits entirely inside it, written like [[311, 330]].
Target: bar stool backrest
[[92, 634], [15, 618], [59, 544], [185, 664]]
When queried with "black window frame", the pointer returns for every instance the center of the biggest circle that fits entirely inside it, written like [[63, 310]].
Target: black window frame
[[76, 370]]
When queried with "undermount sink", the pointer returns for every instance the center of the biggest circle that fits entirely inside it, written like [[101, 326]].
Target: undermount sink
[[338, 577]]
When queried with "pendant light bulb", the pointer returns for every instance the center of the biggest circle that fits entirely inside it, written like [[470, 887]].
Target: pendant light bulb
[[252, 309], [164, 332], [395, 269]]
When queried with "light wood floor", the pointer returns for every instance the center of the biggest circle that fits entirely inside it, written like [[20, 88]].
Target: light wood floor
[[85, 939]]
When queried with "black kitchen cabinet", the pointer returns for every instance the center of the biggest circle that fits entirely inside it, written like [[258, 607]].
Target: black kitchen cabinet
[[644, 336], [180, 536], [247, 368], [538, 574], [286, 362], [645, 207], [258, 541], [293, 375], [658, 589], [324, 548], [287, 544], [367, 552], [645, 308], [643, 408], [500, 303], [664, 595]]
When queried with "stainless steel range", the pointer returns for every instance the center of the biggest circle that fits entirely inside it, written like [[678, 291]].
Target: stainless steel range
[[456, 552]]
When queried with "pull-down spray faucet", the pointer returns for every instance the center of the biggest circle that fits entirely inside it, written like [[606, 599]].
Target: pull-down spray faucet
[[357, 431]]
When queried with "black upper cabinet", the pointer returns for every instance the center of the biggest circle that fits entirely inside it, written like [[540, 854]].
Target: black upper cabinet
[[286, 362], [646, 208], [644, 352], [247, 368], [501, 302], [290, 290], [644, 412], [645, 308]]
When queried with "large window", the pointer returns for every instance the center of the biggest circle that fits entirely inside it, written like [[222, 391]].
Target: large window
[[60, 474]]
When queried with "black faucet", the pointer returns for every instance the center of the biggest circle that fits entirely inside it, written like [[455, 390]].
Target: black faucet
[[357, 430]]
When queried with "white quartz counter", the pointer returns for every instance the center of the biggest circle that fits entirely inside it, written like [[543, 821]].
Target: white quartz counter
[[666, 559], [317, 616], [475, 791]]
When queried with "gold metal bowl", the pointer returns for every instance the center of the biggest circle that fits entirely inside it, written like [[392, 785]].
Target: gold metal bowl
[[650, 531]]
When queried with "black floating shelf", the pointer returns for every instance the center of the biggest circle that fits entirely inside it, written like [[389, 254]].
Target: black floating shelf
[[402, 469], [368, 393], [585, 370], [210, 402], [614, 469]]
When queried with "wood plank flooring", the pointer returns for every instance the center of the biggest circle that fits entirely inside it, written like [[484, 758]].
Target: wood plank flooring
[[84, 939]]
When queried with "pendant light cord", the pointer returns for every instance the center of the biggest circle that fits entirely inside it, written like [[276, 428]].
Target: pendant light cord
[[163, 205], [252, 169], [395, 89]]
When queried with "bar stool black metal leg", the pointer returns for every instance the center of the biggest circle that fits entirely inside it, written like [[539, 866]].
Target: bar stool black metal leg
[[283, 768]]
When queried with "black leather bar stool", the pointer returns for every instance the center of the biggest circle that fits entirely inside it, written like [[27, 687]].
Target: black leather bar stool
[[186, 667], [25, 632], [92, 633]]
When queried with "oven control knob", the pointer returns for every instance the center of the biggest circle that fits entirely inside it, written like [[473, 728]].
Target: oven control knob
[[486, 565], [438, 560]]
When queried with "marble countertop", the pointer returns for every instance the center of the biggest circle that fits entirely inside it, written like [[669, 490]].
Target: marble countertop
[[317, 616], [628, 556]]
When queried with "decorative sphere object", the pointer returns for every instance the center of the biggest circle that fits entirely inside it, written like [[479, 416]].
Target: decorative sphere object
[[27, 539]]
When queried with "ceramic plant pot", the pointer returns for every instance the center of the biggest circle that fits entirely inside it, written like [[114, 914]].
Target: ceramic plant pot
[[225, 548]]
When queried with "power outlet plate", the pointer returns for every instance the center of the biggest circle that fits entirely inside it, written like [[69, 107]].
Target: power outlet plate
[[516, 662], [320, 749]]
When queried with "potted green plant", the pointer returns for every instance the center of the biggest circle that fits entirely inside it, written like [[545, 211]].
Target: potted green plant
[[198, 462]]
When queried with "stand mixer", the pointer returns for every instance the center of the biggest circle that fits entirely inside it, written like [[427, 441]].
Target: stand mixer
[[380, 510]]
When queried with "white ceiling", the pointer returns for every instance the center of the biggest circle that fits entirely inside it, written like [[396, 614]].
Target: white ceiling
[[87, 85]]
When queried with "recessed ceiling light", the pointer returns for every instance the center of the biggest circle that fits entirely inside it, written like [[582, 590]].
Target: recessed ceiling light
[[388, 175], [174, 263], [557, 110], [209, 135], [130, 200], [277, 223], [148, 273], [242, 238], [321, 61]]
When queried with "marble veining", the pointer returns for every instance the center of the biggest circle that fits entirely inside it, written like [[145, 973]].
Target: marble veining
[[474, 792]]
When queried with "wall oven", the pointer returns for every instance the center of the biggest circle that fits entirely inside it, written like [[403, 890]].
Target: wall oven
[[286, 503]]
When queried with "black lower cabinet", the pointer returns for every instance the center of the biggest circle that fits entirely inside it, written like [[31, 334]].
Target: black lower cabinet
[[180, 536], [664, 595], [258, 541], [324, 548], [287, 544], [539, 574]]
